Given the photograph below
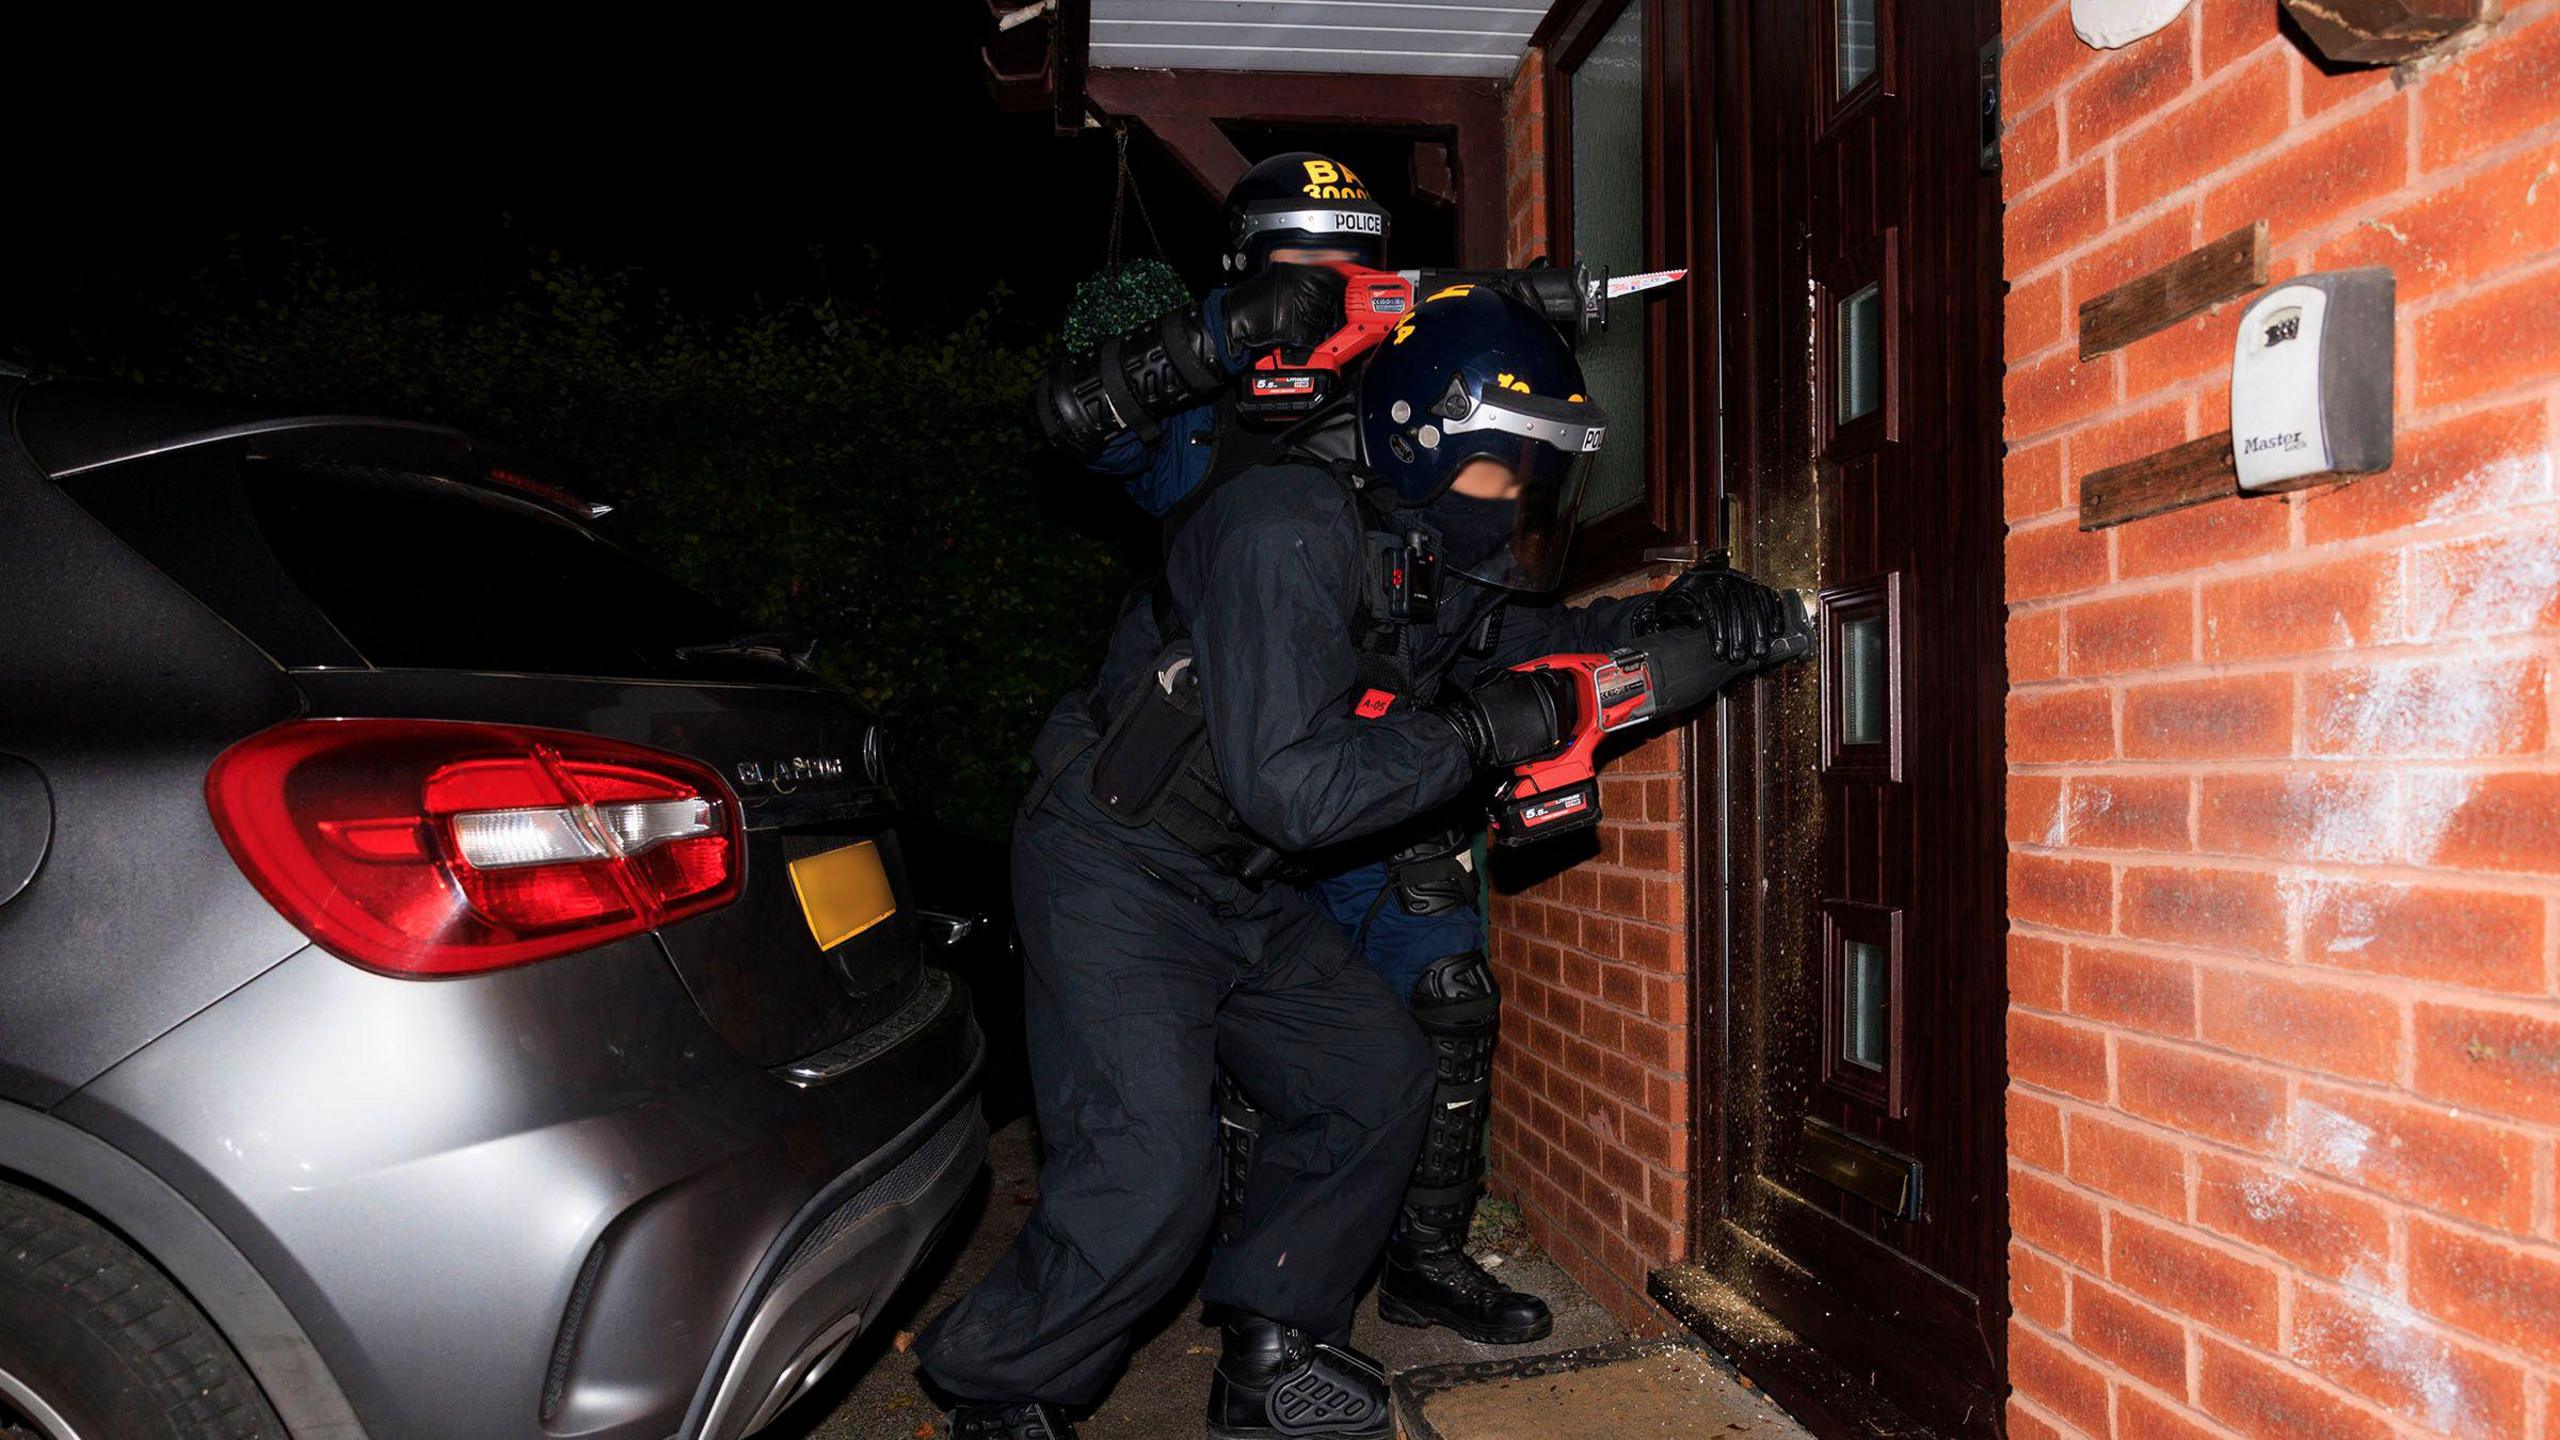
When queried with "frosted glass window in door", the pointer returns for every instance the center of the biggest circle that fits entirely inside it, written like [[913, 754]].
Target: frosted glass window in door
[[1859, 367], [1607, 99], [1854, 36], [1862, 681], [1865, 989]]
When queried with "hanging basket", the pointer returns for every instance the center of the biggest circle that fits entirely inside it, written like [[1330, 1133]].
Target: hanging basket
[[1113, 300]]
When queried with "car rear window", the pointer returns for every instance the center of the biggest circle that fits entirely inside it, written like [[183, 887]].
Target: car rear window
[[323, 563]]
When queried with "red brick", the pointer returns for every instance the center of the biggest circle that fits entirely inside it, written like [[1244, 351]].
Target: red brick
[[2026, 1424], [2139, 252], [2488, 461], [2132, 1166], [2130, 85], [2224, 124], [2315, 179], [2036, 972], [2488, 1288], [2030, 152], [2458, 709], [2233, 28], [2055, 219], [2113, 442], [2056, 391], [2496, 584], [2323, 91], [2301, 815], [2223, 1099], [2035, 1130], [2491, 822], [2451, 937], [2132, 632], [2130, 1335], [2035, 809], [2203, 536], [2329, 1028], [2038, 61], [2127, 812], [2057, 1379], [2055, 725], [2038, 1288], [2493, 1059], [2056, 1220], [2054, 560], [2035, 646], [2057, 1055], [2031, 485], [2475, 227], [2326, 1231], [2139, 1417], [2503, 338], [2507, 87], [2334, 606], [2066, 894], [2228, 717], [2194, 1279], [2368, 1344], [2229, 910], [2264, 1400], [2196, 347], [2424, 1154], [2034, 318], [2141, 991]]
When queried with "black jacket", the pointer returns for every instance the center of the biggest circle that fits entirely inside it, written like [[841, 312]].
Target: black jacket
[[1267, 576]]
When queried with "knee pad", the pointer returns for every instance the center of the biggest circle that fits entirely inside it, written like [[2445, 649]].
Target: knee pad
[[1458, 1009], [1434, 875]]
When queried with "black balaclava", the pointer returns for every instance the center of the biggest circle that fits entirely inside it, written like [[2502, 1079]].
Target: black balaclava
[[1473, 532]]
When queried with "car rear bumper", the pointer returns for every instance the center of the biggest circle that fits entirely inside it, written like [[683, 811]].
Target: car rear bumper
[[550, 1202]]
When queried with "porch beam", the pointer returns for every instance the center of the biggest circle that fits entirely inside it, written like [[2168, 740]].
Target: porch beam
[[1202, 149]]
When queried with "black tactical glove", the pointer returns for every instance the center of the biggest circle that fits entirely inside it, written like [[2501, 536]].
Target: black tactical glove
[[1513, 716], [1746, 621], [1286, 307]]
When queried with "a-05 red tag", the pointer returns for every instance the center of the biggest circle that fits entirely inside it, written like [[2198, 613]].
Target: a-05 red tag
[[1373, 704]]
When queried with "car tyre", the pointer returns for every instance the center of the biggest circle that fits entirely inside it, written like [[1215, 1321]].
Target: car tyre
[[96, 1342]]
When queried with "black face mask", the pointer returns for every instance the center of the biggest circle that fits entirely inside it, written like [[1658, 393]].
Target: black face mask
[[1473, 532]]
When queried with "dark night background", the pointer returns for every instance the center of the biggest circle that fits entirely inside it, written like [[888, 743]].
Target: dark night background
[[782, 294]]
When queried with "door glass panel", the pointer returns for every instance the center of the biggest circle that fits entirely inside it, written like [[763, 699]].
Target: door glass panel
[[1862, 1027], [1862, 677], [1854, 31], [1861, 359], [1608, 233]]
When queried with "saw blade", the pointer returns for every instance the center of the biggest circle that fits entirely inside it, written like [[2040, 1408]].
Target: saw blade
[[1651, 279]]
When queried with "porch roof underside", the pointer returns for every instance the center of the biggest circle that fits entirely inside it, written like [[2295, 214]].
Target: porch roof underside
[[1332, 37]]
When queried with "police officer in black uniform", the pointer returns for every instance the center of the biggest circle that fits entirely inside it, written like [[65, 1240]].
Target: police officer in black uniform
[[1314, 669]]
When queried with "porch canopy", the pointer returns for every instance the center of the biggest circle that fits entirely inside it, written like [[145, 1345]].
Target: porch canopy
[[1186, 69]]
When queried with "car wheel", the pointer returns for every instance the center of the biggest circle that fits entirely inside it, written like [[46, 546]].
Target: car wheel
[[97, 1344]]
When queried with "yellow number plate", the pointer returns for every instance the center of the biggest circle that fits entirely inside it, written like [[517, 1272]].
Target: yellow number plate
[[843, 892]]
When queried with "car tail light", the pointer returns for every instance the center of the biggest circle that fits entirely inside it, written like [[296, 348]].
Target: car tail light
[[433, 847]]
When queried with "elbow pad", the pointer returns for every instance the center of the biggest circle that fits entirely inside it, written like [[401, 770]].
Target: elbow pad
[[1128, 382]]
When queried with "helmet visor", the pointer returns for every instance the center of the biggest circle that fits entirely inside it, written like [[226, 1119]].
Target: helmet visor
[[1551, 445]]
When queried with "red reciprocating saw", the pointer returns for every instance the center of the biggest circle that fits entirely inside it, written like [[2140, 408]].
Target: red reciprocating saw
[[1375, 302], [1668, 674]]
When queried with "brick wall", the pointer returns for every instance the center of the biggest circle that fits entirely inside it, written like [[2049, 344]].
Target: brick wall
[[2284, 803], [1524, 189]]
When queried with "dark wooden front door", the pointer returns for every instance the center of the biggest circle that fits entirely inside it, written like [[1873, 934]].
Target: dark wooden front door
[[1851, 1218]]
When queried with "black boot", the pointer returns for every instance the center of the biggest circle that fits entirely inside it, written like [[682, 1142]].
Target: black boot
[[1010, 1422], [1275, 1383], [1429, 1278]]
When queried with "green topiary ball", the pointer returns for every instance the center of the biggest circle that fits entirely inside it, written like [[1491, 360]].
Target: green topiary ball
[[1114, 300]]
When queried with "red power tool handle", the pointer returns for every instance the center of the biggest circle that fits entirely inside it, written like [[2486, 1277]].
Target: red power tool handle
[[1612, 692], [1374, 303]]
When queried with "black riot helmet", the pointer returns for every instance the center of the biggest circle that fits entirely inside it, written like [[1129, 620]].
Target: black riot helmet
[[1302, 200], [1473, 374]]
